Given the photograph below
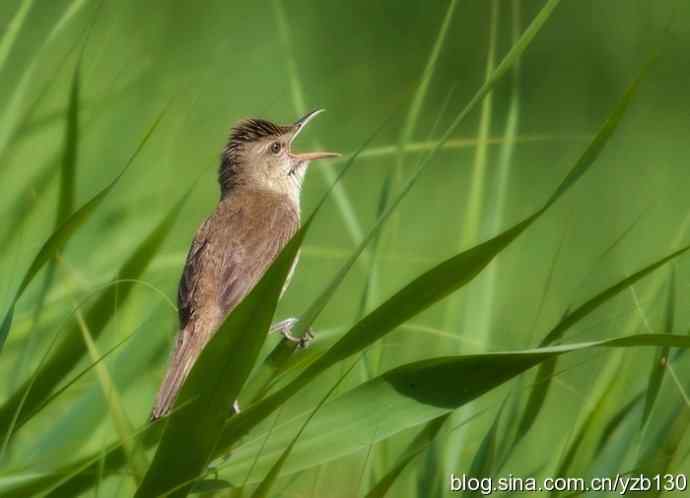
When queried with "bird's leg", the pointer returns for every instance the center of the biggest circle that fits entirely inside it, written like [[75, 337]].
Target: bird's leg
[[284, 327]]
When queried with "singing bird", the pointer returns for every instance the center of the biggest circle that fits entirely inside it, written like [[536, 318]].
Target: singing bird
[[259, 211]]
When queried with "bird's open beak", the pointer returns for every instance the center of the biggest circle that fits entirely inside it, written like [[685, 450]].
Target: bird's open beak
[[298, 126]]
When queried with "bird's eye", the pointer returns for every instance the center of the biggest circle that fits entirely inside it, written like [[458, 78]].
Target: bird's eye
[[275, 147]]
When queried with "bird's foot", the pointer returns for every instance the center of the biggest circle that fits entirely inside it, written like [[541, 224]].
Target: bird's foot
[[284, 327], [213, 470]]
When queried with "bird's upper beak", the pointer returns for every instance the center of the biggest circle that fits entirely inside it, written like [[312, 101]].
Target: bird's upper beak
[[298, 126]]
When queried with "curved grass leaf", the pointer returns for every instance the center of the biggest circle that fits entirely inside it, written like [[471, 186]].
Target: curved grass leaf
[[65, 207], [656, 376], [338, 192], [511, 57], [397, 400], [616, 421], [585, 309], [56, 241], [422, 90], [584, 430], [75, 478], [267, 483], [485, 460], [665, 453], [191, 433], [18, 409], [69, 153], [241, 424], [68, 433], [536, 398], [12, 30], [403, 398], [14, 111], [545, 372], [419, 444], [121, 422], [246, 420]]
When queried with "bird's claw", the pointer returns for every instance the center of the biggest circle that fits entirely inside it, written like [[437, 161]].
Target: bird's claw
[[284, 327]]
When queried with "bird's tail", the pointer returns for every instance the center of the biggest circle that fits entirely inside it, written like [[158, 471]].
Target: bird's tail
[[185, 354]]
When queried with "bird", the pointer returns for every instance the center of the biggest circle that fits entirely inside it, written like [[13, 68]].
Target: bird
[[258, 212]]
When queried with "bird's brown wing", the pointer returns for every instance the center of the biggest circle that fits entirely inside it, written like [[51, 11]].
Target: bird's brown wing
[[230, 253], [257, 240], [189, 339], [190, 275]]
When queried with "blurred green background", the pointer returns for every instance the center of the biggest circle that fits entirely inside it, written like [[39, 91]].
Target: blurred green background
[[211, 63]]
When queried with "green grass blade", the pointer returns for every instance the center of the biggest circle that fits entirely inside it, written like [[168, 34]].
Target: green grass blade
[[485, 460], [191, 433], [423, 88], [55, 395], [369, 291], [537, 396], [495, 368], [65, 207], [268, 482], [510, 132], [401, 398], [87, 410], [121, 422], [545, 372], [342, 200], [666, 452], [410, 123], [656, 376], [313, 312], [14, 112], [17, 410], [474, 210], [581, 445], [457, 271], [602, 137], [12, 30], [57, 240], [617, 421], [69, 155], [611, 247], [595, 302], [419, 444]]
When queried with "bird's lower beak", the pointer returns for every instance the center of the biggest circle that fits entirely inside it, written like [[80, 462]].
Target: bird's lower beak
[[298, 127], [313, 156]]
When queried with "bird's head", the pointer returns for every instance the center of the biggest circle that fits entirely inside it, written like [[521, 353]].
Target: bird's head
[[259, 155]]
